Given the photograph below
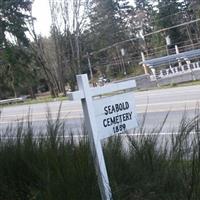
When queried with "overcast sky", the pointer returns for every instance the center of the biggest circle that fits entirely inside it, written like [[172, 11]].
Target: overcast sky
[[42, 13]]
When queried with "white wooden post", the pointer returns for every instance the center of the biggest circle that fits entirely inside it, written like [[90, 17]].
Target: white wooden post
[[95, 143], [144, 66], [86, 94]]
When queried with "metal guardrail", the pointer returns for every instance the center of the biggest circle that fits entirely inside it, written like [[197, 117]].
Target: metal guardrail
[[13, 100]]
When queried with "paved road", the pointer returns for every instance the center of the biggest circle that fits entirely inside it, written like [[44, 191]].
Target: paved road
[[157, 103]]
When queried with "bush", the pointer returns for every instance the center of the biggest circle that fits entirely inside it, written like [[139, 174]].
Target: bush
[[50, 165]]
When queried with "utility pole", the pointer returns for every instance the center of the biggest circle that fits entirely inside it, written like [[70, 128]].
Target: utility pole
[[89, 66], [144, 66], [123, 64]]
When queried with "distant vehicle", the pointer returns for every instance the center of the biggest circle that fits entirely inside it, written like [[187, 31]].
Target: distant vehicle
[[102, 80], [42, 88]]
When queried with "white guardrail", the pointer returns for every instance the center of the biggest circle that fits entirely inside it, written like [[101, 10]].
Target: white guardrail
[[13, 100]]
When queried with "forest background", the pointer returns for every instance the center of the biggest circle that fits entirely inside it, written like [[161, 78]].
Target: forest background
[[89, 36]]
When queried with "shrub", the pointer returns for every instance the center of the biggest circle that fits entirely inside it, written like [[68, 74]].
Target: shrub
[[53, 165]]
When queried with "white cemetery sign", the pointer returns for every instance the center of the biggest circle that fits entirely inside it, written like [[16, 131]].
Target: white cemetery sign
[[115, 114], [105, 116]]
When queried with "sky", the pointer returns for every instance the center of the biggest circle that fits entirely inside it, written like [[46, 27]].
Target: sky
[[41, 11]]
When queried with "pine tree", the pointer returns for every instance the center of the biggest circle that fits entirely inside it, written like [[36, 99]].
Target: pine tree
[[13, 16], [142, 4], [15, 56], [108, 21], [142, 15], [167, 16], [191, 8]]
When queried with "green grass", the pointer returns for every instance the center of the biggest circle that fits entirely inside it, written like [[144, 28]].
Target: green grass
[[45, 99], [52, 166], [172, 85], [184, 84]]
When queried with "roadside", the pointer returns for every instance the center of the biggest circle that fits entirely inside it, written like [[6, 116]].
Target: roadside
[[40, 99], [184, 84], [47, 98]]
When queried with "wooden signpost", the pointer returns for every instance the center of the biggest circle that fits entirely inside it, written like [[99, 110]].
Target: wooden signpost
[[104, 117]]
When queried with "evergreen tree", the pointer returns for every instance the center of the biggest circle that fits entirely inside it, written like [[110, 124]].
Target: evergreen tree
[[15, 71], [13, 16], [142, 4], [108, 21], [167, 16], [191, 9]]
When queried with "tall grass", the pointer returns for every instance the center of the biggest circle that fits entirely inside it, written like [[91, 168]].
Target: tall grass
[[50, 165]]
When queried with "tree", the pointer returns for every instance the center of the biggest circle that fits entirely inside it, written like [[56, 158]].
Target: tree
[[15, 71], [40, 55], [17, 75], [39, 48], [142, 22], [191, 11], [108, 22], [68, 23], [13, 17], [168, 16]]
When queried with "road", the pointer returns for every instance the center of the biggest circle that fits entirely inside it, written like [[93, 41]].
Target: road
[[157, 103]]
